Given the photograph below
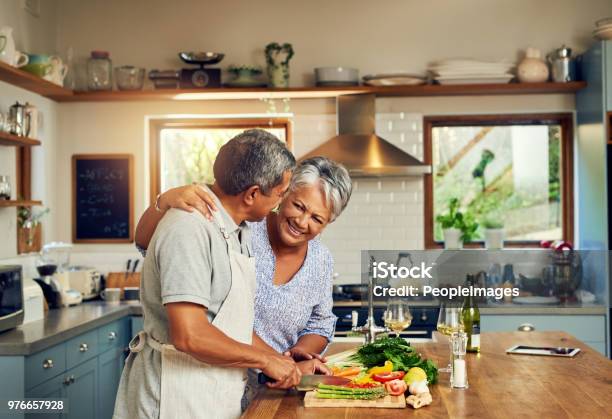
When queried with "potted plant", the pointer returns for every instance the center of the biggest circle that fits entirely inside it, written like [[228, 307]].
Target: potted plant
[[244, 76], [277, 59], [29, 234], [493, 233], [457, 227]]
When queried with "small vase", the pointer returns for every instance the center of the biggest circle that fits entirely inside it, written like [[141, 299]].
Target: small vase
[[278, 75], [533, 69], [452, 239], [494, 238]]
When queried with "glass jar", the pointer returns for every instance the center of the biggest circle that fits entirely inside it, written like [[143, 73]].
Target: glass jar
[[99, 71]]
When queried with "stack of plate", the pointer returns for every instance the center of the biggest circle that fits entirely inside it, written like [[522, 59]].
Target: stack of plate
[[393, 79], [468, 71], [603, 29]]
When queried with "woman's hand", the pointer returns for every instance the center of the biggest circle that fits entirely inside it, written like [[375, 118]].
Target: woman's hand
[[301, 354], [314, 366], [188, 198]]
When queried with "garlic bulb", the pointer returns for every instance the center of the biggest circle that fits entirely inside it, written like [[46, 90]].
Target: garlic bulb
[[418, 387]]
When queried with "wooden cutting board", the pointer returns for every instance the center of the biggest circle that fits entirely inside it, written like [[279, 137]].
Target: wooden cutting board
[[387, 402]]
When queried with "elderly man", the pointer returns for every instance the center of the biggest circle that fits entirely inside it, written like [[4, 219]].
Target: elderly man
[[197, 294]]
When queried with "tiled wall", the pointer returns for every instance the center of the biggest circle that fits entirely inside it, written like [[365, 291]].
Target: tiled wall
[[384, 213]]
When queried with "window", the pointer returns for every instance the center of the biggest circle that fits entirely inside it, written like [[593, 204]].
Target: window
[[510, 170], [183, 151]]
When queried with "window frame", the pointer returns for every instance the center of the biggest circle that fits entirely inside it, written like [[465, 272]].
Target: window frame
[[565, 120], [156, 125]]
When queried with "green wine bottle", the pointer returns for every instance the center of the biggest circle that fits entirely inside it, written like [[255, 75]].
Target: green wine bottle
[[471, 319]]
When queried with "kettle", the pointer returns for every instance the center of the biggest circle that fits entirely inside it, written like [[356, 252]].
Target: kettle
[[562, 64]]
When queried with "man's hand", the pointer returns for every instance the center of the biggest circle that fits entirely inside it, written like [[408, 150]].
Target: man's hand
[[314, 366], [283, 370], [300, 354]]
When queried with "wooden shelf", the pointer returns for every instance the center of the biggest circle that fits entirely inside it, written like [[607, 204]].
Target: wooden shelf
[[31, 82], [7, 139], [323, 92], [6, 204]]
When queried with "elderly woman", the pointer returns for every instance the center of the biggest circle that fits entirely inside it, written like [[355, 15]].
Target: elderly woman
[[293, 302]]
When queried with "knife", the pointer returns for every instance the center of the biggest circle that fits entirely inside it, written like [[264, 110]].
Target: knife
[[310, 382]]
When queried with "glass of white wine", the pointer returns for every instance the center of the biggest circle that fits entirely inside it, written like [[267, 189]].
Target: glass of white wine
[[397, 317], [450, 320]]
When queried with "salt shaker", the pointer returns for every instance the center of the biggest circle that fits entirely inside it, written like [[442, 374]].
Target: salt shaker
[[458, 342]]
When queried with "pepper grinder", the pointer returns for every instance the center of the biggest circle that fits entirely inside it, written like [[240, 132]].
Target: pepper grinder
[[458, 342]]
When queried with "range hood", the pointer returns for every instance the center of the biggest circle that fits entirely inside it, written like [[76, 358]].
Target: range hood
[[358, 147]]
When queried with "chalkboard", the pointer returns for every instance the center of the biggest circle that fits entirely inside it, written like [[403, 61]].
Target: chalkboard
[[102, 194]]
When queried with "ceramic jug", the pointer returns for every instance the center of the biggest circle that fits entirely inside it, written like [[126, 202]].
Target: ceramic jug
[[58, 71], [532, 69], [8, 53]]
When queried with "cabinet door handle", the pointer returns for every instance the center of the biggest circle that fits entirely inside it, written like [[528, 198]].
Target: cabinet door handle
[[112, 336], [67, 381], [72, 380], [84, 347], [47, 364]]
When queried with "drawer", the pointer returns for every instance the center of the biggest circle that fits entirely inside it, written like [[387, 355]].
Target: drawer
[[44, 365], [113, 335], [81, 348]]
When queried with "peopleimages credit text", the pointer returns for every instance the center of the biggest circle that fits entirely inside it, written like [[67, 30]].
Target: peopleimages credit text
[[384, 270]]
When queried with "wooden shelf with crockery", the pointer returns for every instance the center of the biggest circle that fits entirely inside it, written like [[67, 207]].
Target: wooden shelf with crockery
[[27, 81], [7, 139], [324, 92]]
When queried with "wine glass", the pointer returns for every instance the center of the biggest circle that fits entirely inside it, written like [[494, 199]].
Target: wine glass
[[397, 317], [450, 320]]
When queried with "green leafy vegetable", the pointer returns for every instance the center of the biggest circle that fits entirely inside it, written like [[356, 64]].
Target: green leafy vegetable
[[399, 352]]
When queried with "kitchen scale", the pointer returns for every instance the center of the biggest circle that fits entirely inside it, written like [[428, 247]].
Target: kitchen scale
[[195, 78]]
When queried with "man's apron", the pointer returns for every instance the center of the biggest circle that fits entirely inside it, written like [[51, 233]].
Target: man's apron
[[191, 388]]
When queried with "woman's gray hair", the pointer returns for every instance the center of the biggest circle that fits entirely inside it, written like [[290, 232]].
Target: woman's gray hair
[[332, 178]]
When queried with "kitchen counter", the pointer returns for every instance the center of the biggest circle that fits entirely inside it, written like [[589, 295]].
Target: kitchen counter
[[62, 324], [570, 308], [501, 385]]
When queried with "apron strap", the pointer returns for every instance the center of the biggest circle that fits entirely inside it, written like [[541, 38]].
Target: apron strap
[[141, 339]]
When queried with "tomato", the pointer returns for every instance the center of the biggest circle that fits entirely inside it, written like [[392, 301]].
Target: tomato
[[388, 376], [396, 387]]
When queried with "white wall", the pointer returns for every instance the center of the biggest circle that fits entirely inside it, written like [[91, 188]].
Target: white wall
[[373, 36]]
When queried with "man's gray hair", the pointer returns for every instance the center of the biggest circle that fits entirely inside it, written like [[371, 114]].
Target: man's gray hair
[[332, 178], [254, 157]]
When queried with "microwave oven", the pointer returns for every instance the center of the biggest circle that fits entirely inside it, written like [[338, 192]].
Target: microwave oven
[[11, 297]]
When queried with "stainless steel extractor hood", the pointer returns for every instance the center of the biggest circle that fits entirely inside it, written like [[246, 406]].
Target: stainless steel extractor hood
[[358, 147]]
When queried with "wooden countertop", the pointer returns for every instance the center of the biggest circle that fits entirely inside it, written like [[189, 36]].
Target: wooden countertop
[[501, 385]]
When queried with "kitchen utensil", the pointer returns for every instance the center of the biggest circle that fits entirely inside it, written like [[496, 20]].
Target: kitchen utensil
[[545, 351], [387, 402], [336, 76], [31, 117], [394, 79], [196, 78], [127, 272], [310, 382], [536, 300], [474, 79], [8, 53], [562, 65], [59, 70], [111, 295], [136, 262], [18, 120], [39, 65], [129, 77], [165, 79], [131, 293], [33, 301], [85, 280], [603, 33], [5, 187], [99, 71]]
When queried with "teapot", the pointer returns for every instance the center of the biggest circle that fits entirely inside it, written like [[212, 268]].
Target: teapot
[[562, 64], [8, 53], [58, 71]]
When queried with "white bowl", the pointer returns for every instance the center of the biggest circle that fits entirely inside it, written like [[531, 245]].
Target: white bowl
[[342, 75]]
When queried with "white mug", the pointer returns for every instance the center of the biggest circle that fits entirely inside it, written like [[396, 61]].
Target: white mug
[[111, 295]]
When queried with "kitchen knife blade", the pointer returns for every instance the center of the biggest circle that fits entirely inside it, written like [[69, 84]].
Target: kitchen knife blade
[[310, 382]]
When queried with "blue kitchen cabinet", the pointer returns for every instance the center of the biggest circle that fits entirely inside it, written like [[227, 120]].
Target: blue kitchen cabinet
[[110, 365], [52, 389], [590, 329], [137, 324]]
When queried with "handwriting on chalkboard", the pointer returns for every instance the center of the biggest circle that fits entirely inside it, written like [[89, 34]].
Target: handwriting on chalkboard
[[103, 198]]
